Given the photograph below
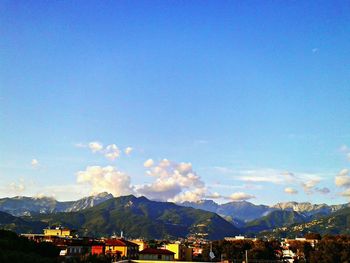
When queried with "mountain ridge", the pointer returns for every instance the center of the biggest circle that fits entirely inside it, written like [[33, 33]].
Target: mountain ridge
[[141, 217], [25, 206], [246, 211]]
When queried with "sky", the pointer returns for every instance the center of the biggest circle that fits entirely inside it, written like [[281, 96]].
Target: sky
[[176, 100]]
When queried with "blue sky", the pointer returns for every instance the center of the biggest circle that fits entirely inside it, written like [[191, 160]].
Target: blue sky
[[246, 100]]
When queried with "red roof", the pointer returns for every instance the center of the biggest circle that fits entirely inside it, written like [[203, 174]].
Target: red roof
[[119, 242], [156, 251]]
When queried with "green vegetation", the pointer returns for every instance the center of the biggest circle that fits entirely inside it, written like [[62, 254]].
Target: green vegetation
[[235, 250], [19, 249], [332, 249], [334, 224], [329, 249], [19, 225], [140, 217], [274, 219]]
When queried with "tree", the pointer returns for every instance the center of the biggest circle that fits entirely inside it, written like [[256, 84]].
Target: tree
[[313, 236]]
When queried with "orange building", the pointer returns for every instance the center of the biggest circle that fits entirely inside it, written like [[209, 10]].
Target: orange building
[[97, 248], [122, 248]]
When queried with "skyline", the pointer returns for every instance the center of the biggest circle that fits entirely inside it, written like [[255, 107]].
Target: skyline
[[176, 101]]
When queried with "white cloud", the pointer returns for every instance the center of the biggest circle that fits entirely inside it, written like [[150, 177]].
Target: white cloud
[[266, 175], [67, 192], [148, 163], [112, 152], [214, 195], [346, 193], [95, 146], [310, 185], [240, 196], [343, 172], [307, 180], [343, 178], [34, 163], [324, 190], [105, 179], [290, 190], [174, 182], [191, 196], [17, 188], [128, 150]]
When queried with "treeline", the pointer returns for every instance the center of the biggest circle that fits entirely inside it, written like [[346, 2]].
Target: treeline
[[325, 250], [328, 249], [14, 248], [235, 250]]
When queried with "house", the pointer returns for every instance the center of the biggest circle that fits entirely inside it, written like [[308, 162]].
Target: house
[[182, 252], [236, 238], [97, 248], [142, 244], [58, 231], [121, 248], [156, 254], [76, 247]]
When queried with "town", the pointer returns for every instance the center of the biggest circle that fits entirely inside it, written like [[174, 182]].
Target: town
[[156, 131], [69, 247]]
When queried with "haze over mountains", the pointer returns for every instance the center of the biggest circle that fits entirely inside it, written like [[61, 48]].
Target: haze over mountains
[[22, 205], [103, 214], [246, 211]]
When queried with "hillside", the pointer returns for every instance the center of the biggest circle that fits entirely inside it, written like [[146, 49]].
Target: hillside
[[336, 223], [24, 206], [19, 225], [238, 211], [309, 209], [275, 219], [140, 217]]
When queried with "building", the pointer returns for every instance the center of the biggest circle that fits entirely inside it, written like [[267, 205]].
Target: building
[[76, 247], [58, 231], [155, 254], [182, 252], [121, 248], [142, 244], [236, 238], [97, 248]]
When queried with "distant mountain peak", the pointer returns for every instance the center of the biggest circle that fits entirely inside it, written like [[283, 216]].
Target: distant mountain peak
[[22, 205], [103, 195]]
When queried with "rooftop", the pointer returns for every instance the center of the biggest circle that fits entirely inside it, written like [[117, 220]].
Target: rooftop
[[156, 251]]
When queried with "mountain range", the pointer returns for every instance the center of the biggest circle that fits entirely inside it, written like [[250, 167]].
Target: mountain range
[[103, 215], [246, 211], [334, 224], [25, 206], [136, 217], [19, 225]]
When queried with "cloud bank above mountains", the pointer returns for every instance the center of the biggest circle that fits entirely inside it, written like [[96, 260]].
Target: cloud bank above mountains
[[178, 181], [169, 180]]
